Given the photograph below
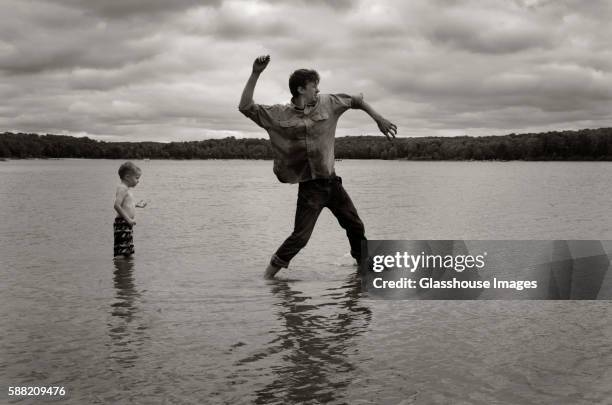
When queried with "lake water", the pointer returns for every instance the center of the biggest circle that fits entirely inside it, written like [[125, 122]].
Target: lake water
[[190, 319]]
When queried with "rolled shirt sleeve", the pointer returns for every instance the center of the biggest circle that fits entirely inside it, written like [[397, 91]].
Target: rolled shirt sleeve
[[341, 102], [260, 114]]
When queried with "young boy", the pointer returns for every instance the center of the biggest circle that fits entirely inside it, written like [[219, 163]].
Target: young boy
[[302, 135], [125, 206]]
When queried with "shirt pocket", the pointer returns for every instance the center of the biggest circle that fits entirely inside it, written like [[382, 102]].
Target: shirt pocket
[[319, 116], [318, 124], [292, 129]]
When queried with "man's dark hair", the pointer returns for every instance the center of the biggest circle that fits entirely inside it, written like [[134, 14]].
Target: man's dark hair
[[300, 77]]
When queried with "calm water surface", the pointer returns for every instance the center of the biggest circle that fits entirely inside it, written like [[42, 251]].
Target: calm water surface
[[190, 319]]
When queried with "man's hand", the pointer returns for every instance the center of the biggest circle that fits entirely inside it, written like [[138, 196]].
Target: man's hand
[[387, 127], [260, 63]]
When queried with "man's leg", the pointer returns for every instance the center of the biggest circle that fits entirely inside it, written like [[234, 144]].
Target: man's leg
[[311, 200], [344, 210]]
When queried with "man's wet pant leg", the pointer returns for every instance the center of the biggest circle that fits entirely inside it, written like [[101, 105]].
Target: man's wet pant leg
[[313, 196]]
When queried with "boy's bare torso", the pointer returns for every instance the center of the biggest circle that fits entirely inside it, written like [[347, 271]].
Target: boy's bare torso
[[126, 199]]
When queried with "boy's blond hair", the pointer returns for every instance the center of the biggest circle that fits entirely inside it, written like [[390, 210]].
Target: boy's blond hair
[[128, 168]]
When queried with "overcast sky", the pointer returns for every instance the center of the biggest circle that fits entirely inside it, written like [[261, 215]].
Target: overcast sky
[[166, 70]]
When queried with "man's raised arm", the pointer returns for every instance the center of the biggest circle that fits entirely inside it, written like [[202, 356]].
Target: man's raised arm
[[247, 94], [385, 126]]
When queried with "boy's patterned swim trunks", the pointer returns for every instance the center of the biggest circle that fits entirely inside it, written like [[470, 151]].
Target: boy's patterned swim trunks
[[124, 242]]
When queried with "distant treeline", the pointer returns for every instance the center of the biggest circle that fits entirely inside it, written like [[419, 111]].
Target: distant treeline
[[586, 144]]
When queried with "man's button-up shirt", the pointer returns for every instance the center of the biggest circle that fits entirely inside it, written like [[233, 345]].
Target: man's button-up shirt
[[303, 139]]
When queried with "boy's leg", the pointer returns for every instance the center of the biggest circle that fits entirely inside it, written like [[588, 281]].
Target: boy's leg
[[311, 200], [345, 212]]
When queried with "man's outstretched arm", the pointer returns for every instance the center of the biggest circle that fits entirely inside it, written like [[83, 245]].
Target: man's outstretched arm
[[386, 127], [247, 94]]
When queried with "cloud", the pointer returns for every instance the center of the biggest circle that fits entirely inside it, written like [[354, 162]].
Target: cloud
[[122, 9], [47, 36], [493, 39], [236, 22]]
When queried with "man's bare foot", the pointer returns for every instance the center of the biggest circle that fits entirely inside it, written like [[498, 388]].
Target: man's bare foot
[[271, 270]]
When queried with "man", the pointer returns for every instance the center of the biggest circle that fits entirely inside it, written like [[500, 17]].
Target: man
[[302, 136]]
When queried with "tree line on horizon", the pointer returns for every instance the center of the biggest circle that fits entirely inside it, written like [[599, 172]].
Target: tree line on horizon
[[585, 144]]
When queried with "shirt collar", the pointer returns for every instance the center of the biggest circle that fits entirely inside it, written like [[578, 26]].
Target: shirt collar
[[302, 109]]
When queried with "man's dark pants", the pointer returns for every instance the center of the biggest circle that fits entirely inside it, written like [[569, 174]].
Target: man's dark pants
[[313, 196]]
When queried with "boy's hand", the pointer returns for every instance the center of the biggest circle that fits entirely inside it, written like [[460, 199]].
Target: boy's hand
[[141, 204], [131, 222], [260, 63], [387, 127]]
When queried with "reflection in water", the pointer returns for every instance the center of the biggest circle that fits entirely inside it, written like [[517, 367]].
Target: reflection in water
[[315, 343], [126, 336]]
